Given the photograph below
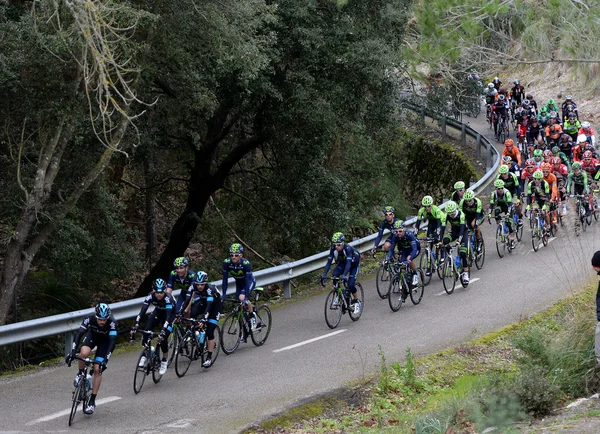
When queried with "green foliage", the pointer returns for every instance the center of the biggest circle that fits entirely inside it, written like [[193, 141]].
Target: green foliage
[[535, 390]]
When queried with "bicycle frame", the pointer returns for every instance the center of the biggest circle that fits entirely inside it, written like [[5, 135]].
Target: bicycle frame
[[81, 394]]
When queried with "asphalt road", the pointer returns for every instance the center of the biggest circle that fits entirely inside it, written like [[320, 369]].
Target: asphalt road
[[256, 382]]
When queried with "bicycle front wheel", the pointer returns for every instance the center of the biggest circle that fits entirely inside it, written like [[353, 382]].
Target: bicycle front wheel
[[231, 333], [535, 235], [426, 264], [173, 342], [361, 298], [416, 293], [156, 368], [449, 279], [500, 242], [381, 280], [141, 371], [78, 392], [479, 254], [333, 309], [395, 293], [185, 354], [263, 325]]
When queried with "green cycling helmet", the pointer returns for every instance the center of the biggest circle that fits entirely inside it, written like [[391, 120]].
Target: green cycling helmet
[[459, 185], [538, 174], [236, 248], [550, 101], [555, 150], [498, 183], [538, 153], [469, 195], [338, 237], [387, 209], [451, 207], [180, 262], [398, 224], [544, 110], [576, 165], [427, 201], [503, 170]]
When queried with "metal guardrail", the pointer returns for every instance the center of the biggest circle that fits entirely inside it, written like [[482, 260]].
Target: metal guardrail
[[68, 323]]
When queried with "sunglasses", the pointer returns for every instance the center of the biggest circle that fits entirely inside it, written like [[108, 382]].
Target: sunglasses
[[460, 189], [389, 214], [235, 255], [338, 244]]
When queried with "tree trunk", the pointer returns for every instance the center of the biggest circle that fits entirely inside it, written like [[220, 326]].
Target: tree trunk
[[150, 197]]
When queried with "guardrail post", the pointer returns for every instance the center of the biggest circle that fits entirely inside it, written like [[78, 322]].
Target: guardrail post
[[443, 126], [488, 160], [287, 289], [478, 145], [68, 343], [463, 134]]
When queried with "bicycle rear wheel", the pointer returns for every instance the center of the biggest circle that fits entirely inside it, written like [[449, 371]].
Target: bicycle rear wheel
[[382, 280], [333, 309], [361, 297], [519, 230], [263, 325], [480, 255], [449, 279], [416, 292], [141, 371], [156, 368], [231, 333], [395, 293], [172, 342], [185, 354]]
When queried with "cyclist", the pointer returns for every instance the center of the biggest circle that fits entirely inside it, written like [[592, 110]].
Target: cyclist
[[100, 330], [240, 269], [499, 109], [513, 185], [552, 181], [459, 190], [527, 173], [408, 248], [180, 279], [347, 260], [457, 233], [512, 151], [472, 208], [433, 214], [577, 183], [590, 164], [517, 92], [571, 126], [579, 147], [512, 166], [532, 102], [553, 132], [557, 152], [497, 83], [163, 314], [587, 130], [538, 193], [490, 96], [573, 109], [561, 172], [387, 223], [538, 157], [501, 201], [202, 298], [551, 106]]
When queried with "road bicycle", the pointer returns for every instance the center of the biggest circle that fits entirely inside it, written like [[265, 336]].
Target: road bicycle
[[430, 259], [503, 241], [338, 302], [583, 218], [151, 363], [502, 131], [517, 222], [539, 231], [382, 277], [82, 390], [174, 339], [194, 345], [452, 269], [237, 325], [401, 286]]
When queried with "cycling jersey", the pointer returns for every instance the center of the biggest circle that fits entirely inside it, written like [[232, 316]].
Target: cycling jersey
[[538, 192], [553, 183], [103, 337], [577, 184], [163, 309], [407, 244], [382, 227], [513, 152], [434, 219], [242, 273], [205, 302], [473, 211], [571, 128], [511, 183], [554, 132], [181, 284], [347, 264]]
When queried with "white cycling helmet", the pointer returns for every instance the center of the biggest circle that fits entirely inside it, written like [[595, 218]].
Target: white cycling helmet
[[491, 85], [581, 138], [585, 124]]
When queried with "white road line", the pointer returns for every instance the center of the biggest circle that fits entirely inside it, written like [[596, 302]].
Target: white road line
[[541, 245], [310, 341], [458, 285], [67, 412]]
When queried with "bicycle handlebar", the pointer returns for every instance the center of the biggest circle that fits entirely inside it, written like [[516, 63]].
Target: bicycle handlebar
[[87, 360]]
